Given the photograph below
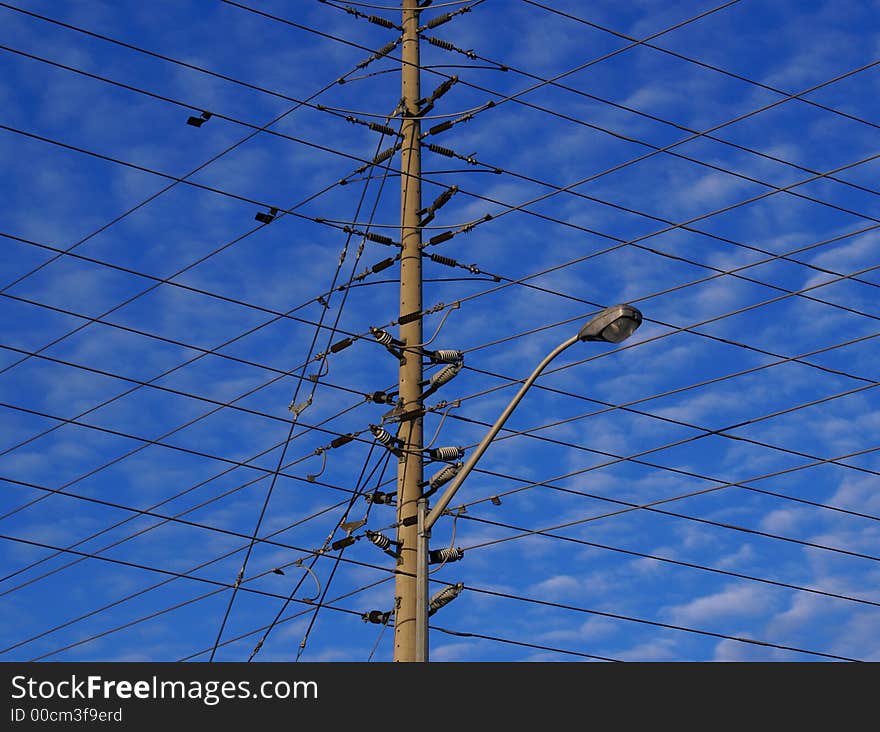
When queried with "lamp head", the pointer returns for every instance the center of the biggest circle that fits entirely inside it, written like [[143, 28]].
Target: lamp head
[[613, 325]]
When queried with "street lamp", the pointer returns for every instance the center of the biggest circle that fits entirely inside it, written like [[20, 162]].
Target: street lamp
[[612, 325]]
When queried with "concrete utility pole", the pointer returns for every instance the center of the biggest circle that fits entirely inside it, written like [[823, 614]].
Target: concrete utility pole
[[410, 635]]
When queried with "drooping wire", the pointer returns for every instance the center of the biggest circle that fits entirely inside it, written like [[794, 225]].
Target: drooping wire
[[294, 420], [336, 324], [302, 646]]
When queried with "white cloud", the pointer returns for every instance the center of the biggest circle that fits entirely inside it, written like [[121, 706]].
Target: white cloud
[[734, 601]]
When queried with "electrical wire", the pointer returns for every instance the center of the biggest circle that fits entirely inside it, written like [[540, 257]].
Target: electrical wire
[[567, 190], [690, 328], [378, 641], [683, 285], [285, 619], [149, 199], [681, 471], [176, 429], [398, 8], [632, 459], [700, 134], [630, 507], [493, 593], [179, 494], [158, 570], [654, 557], [703, 64], [654, 623], [165, 582], [523, 644], [684, 128], [655, 149], [301, 649], [177, 520], [177, 606], [283, 453]]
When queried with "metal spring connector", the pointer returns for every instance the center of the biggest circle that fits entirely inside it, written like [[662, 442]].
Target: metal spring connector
[[444, 556], [392, 344], [445, 355], [446, 453], [386, 439], [384, 543], [441, 478], [445, 375], [444, 597]]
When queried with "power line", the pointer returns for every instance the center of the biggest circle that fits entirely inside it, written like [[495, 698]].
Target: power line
[[138, 512], [280, 462], [494, 593], [776, 355], [149, 199], [177, 520], [835, 397], [567, 189], [617, 501], [285, 619], [558, 189], [495, 168], [676, 330], [651, 507], [146, 443], [555, 113], [135, 565], [478, 590], [681, 471], [870, 283], [141, 592], [654, 623], [321, 600], [703, 64], [727, 143], [522, 644], [510, 433], [524, 532]]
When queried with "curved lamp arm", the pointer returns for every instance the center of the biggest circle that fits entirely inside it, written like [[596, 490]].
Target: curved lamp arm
[[612, 325], [444, 500]]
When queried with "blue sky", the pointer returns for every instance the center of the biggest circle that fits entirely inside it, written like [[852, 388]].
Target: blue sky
[[755, 365]]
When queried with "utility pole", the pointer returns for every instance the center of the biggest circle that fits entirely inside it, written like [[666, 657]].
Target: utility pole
[[410, 624]]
